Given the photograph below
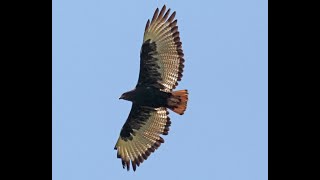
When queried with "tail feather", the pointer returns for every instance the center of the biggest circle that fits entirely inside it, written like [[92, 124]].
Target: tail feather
[[178, 101]]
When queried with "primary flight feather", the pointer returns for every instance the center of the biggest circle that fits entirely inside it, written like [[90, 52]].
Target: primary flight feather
[[161, 67]]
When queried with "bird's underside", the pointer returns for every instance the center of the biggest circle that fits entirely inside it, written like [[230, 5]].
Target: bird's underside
[[161, 67]]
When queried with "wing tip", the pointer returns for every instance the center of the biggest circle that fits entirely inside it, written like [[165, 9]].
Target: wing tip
[[141, 157], [155, 15], [163, 9], [147, 25], [172, 17]]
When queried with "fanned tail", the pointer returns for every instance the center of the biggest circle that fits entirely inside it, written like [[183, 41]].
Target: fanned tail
[[178, 101]]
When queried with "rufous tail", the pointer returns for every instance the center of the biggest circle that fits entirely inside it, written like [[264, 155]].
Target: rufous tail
[[178, 101]]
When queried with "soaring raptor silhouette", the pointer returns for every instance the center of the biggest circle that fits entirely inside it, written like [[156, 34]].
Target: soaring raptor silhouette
[[161, 67]]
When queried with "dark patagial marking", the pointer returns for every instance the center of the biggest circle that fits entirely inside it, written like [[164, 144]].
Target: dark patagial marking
[[149, 73], [140, 115]]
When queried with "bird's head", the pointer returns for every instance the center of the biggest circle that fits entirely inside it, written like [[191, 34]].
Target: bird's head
[[124, 96], [127, 95]]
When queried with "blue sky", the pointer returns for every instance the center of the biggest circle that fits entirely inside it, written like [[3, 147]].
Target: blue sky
[[223, 133]]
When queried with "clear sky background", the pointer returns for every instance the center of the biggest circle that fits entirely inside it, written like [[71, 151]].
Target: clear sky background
[[223, 133]]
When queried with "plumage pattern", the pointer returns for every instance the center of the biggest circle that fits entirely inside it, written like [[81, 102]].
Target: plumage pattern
[[161, 53], [161, 67], [140, 135]]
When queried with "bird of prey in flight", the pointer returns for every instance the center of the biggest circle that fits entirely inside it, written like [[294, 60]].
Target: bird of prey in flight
[[161, 67]]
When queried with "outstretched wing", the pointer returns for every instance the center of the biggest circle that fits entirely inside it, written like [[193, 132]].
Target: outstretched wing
[[140, 135], [161, 56]]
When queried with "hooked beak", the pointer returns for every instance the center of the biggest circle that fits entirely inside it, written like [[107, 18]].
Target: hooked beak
[[122, 97]]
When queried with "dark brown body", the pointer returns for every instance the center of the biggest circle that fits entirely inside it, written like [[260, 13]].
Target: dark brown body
[[147, 96]]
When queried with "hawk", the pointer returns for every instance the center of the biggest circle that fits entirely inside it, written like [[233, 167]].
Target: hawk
[[161, 67]]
